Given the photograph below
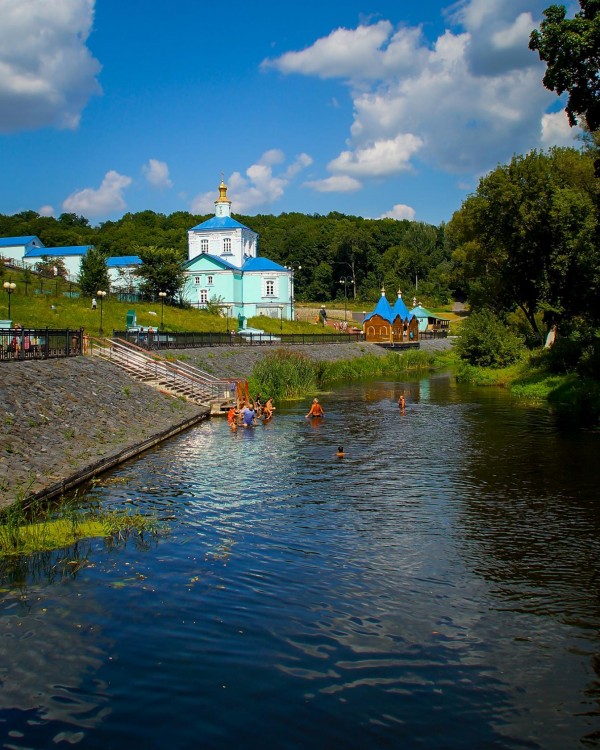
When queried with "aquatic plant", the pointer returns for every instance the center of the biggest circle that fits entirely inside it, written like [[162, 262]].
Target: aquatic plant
[[36, 527]]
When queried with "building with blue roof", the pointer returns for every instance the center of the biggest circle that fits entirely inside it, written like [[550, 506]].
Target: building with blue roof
[[223, 264], [393, 325], [15, 248]]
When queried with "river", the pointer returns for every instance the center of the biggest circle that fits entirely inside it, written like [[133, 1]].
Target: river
[[437, 587]]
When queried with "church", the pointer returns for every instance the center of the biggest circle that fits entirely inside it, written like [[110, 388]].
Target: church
[[223, 266]]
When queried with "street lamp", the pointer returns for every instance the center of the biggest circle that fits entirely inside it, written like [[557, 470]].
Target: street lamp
[[344, 281], [228, 307], [102, 295], [281, 319], [10, 287], [162, 296]]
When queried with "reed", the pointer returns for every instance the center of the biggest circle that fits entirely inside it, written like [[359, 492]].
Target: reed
[[287, 375], [35, 528]]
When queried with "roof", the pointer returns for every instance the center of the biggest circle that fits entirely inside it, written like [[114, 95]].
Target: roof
[[401, 309], [10, 241], [262, 264], [420, 312], [382, 308], [39, 252], [219, 222], [124, 260], [213, 259]]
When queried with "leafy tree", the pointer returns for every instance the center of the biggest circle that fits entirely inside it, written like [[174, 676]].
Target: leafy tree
[[51, 267], [161, 270], [571, 48], [93, 273], [527, 238], [485, 342]]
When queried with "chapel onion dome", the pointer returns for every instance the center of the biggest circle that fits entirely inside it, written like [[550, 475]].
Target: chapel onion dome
[[222, 204]]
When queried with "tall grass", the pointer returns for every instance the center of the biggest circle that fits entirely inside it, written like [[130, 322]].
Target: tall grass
[[36, 528], [286, 375]]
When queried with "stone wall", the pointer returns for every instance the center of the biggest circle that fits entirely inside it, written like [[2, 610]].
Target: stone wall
[[60, 418]]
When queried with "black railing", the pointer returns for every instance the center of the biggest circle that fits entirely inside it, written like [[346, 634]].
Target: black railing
[[39, 343], [442, 333], [194, 339]]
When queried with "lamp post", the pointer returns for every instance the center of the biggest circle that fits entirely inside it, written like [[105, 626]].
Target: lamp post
[[162, 296], [228, 307], [10, 287], [281, 319], [344, 281], [102, 295]]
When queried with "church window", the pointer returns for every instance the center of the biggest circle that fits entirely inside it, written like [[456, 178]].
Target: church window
[[210, 281], [269, 288], [203, 246], [196, 279], [203, 296], [227, 245]]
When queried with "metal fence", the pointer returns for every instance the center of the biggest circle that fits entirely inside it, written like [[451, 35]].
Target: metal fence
[[193, 339], [39, 343]]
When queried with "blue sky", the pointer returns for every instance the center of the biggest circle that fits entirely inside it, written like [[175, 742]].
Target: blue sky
[[374, 108]]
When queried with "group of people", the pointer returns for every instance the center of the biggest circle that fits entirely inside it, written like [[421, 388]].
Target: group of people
[[250, 413]]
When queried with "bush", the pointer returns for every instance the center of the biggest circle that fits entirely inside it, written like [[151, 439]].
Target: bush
[[485, 342]]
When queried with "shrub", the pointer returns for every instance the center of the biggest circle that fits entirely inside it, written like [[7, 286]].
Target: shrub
[[486, 342]]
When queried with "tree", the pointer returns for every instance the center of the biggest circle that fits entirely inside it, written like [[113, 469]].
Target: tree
[[527, 238], [161, 270], [93, 273], [485, 342], [571, 48]]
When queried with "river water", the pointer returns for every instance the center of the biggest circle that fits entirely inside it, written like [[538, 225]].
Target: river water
[[435, 588]]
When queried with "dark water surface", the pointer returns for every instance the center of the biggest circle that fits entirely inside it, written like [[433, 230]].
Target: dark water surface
[[436, 588]]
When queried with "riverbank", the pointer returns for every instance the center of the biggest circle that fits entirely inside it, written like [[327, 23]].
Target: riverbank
[[64, 421]]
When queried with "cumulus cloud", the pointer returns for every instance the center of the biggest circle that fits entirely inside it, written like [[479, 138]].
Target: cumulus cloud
[[157, 174], [259, 187], [399, 211], [106, 199], [47, 73], [556, 130], [46, 210], [462, 102], [334, 184]]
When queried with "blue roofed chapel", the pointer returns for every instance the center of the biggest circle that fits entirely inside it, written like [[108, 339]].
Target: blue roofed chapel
[[223, 265]]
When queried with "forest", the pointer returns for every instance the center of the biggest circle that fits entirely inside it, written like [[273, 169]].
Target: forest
[[329, 253]]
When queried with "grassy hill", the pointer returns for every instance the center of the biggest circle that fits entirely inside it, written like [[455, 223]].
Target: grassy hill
[[44, 302]]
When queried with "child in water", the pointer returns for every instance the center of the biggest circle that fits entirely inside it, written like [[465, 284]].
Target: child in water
[[316, 410], [340, 451]]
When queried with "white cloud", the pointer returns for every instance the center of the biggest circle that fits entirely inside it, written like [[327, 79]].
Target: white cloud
[[556, 130], [106, 199], [260, 187], [47, 73], [46, 211], [463, 103], [399, 211], [334, 184], [378, 158], [157, 174]]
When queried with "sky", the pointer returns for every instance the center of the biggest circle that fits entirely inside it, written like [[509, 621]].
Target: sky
[[375, 108]]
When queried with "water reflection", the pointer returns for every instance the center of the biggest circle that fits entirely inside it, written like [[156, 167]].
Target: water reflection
[[435, 587]]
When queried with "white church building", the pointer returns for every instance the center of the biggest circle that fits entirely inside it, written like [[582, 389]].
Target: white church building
[[224, 266]]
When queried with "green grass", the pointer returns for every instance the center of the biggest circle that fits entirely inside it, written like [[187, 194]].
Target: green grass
[[36, 311], [288, 375], [25, 531]]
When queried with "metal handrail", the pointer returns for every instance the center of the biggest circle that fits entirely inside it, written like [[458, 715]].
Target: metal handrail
[[188, 379]]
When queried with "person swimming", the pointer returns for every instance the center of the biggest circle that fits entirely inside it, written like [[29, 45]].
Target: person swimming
[[340, 451]]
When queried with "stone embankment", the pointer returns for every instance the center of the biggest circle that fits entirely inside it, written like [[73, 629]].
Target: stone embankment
[[63, 421]]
